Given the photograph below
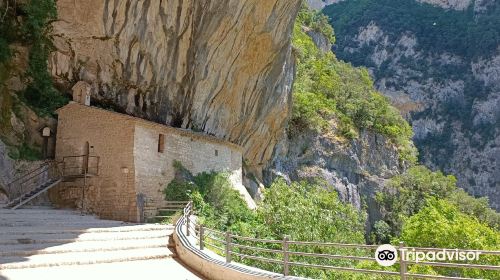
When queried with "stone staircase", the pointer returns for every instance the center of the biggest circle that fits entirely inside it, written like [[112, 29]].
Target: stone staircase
[[49, 240], [163, 214], [33, 183]]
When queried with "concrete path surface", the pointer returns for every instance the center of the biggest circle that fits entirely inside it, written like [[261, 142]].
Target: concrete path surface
[[166, 269], [44, 243]]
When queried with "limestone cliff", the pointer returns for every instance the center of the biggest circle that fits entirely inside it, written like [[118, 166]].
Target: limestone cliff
[[356, 168], [222, 67]]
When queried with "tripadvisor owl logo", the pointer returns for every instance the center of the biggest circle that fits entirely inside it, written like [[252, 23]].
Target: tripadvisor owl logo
[[386, 255]]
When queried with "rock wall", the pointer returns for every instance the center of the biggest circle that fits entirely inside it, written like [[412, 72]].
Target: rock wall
[[355, 168], [223, 66]]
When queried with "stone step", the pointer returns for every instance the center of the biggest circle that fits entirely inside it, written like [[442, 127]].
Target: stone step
[[45, 213], [87, 246], [39, 210], [83, 258], [30, 224], [79, 230], [159, 219], [158, 269], [44, 238], [166, 212]]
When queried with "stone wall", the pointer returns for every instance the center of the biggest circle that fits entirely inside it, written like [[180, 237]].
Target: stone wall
[[112, 194], [154, 169], [130, 164]]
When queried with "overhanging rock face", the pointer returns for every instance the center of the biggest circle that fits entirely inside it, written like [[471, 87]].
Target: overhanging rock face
[[223, 67]]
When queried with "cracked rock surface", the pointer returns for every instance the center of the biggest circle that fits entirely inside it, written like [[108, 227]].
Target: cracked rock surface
[[224, 67]]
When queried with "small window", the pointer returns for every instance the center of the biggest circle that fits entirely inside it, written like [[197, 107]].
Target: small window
[[216, 153], [161, 143]]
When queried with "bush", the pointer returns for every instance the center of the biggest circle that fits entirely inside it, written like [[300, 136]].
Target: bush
[[303, 211], [215, 200], [40, 94], [25, 152], [4, 50], [381, 232], [476, 207], [316, 21]]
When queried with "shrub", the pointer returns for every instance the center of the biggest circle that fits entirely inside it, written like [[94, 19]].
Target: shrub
[[381, 232], [4, 51], [25, 152], [215, 200], [316, 21], [477, 207], [40, 94], [303, 211]]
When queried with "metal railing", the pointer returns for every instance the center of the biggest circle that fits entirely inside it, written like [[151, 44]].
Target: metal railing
[[48, 170], [230, 245], [82, 165]]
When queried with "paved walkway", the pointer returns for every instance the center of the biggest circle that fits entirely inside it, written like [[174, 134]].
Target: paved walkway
[[167, 269], [43, 243]]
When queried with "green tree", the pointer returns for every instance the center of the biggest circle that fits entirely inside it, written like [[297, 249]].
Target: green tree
[[476, 207], [405, 194], [440, 224]]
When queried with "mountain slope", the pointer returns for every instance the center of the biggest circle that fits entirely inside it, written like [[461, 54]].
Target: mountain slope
[[342, 132], [440, 68]]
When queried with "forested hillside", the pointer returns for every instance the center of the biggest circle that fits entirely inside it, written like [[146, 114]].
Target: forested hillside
[[440, 68]]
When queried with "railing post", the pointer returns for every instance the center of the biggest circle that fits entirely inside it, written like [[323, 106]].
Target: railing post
[[402, 262], [228, 247], [202, 233], [286, 256], [188, 214]]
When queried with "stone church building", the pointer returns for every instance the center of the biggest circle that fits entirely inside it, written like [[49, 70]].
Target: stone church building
[[126, 162]]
